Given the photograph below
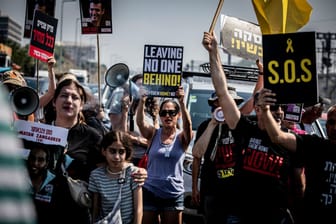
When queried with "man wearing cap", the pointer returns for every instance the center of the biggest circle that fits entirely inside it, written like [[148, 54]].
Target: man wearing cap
[[216, 144], [13, 80], [265, 167]]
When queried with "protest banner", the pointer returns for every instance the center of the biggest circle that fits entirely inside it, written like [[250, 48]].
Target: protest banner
[[293, 112], [45, 6], [241, 38], [43, 36], [162, 70], [290, 67], [96, 16], [41, 133]]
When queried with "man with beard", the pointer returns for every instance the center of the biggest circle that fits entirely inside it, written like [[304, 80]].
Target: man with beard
[[265, 167]]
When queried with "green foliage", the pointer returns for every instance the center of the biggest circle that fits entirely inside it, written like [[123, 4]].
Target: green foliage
[[20, 57]]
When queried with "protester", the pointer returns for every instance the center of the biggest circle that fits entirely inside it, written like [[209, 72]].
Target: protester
[[83, 146], [13, 80], [151, 116], [163, 191], [16, 205], [215, 143], [105, 181], [319, 198], [265, 167], [42, 183], [118, 113], [94, 116], [311, 113]]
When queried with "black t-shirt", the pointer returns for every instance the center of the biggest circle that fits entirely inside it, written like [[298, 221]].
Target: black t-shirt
[[265, 170], [220, 176], [319, 157], [84, 148]]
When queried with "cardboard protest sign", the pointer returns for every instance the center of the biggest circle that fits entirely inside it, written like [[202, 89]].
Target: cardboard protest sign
[[45, 6], [41, 133], [96, 16], [293, 112], [162, 70], [290, 67], [241, 38], [43, 36]]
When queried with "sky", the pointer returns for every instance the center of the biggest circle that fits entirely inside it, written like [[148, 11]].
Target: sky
[[160, 22]]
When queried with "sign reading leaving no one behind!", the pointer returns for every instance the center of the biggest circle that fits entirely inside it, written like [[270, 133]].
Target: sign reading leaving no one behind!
[[162, 70], [290, 67]]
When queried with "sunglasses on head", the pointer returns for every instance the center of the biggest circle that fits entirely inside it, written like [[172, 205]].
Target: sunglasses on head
[[171, 113]]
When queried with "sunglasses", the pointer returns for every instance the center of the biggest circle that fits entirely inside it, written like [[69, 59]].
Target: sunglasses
[[331, 122], [171, 113]]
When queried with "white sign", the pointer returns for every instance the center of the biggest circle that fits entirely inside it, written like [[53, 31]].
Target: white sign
[[41, 133]]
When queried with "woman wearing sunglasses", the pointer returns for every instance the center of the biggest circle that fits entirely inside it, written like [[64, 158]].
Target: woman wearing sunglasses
[[164, 189]]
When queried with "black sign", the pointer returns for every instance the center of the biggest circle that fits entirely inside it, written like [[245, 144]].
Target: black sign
[[45, 6], [43, 36], [290, 67], [162, 70]]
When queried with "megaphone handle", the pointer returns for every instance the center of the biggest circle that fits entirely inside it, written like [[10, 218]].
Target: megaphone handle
[[131, 121]]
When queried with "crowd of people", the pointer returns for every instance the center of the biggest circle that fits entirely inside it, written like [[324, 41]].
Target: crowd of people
[[282, 178], [254, 166]]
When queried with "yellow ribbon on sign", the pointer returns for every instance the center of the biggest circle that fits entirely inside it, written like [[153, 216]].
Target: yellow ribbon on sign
[[289, 46]]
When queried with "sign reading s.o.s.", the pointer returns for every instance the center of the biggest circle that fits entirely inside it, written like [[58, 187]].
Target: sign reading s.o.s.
[[290, 67]]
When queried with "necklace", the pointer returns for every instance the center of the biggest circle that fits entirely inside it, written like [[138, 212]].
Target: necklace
[[113, 173], [168, 147]]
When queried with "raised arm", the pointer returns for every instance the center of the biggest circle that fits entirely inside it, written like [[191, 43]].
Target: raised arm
[[187, 132], [285, 139], [229, 107], [146, 129], [47, 97], [248, 107]]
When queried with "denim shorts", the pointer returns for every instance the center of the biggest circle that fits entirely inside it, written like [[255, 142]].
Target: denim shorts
[[153, 203]]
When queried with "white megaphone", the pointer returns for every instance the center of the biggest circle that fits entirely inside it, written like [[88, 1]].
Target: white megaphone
[[134, 90], [24, 101], [117, 75], [218, 114]]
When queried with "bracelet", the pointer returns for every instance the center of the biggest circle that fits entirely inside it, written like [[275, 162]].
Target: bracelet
[[261, 73]]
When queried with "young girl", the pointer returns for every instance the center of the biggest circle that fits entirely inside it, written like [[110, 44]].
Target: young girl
[[105, 181]]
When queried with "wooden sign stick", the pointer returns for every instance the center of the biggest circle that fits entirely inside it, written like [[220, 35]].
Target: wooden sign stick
[[214, 20]]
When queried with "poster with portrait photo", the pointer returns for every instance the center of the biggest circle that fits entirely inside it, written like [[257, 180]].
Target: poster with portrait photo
[[45, 6], [96, 16]]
